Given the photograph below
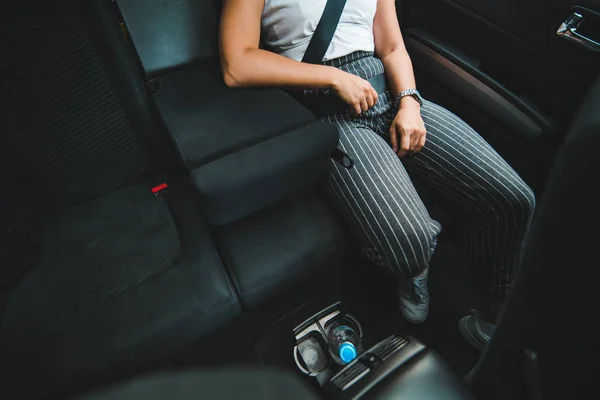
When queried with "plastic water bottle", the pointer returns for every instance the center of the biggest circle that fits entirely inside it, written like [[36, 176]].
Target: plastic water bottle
[[344, 343]]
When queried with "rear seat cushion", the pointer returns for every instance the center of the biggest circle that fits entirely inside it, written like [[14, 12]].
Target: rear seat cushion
[[94, 251], [114, 288], [207, 120], [271, 251]]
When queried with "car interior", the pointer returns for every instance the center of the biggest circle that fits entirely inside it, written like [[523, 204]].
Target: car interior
[[155, 221]]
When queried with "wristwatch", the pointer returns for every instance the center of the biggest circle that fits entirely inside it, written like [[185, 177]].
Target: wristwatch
[[409, 92]]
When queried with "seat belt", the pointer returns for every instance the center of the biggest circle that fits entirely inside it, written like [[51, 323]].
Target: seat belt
[[315, 52], [321, 39]]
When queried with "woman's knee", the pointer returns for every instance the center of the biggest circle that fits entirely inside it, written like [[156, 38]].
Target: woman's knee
[[528, 198], [411, 249], [524, 201], [516, 203]]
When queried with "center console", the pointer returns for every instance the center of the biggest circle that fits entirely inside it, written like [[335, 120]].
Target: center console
[[399, 366]]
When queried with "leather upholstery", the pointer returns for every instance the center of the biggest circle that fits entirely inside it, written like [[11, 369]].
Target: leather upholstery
[[271, 251], [399, 367], [227, 384], [169, 34], [560, 236], [148, 322], [245, 147], [207, 120], [256, 177], [425, 376]]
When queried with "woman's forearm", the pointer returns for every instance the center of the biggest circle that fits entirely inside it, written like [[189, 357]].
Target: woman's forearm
[[244, 64], [399, 71], [390, 48], [256, 67]]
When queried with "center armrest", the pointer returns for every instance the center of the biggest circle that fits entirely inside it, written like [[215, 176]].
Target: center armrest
[[246, 148], [208, 120], [256, 177], [397, 368]]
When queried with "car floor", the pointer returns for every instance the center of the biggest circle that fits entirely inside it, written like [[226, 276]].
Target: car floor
[[265, 337]]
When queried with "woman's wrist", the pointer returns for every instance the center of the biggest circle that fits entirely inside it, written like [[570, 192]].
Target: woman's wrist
[[409, 102], [333, 77]]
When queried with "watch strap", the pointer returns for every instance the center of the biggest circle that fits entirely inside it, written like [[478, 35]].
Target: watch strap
[[408, 92]]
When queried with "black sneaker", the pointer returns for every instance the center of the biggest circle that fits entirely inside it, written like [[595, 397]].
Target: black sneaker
[[413, 297], [475, 330]]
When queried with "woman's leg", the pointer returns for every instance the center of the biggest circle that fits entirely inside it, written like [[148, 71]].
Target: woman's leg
[[381, 204], [378, 199], [457, 163]]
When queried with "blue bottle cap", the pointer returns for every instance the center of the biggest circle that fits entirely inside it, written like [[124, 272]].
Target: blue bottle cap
[[347, 352]]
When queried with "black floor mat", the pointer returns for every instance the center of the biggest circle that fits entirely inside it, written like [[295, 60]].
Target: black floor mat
[[453, 292]]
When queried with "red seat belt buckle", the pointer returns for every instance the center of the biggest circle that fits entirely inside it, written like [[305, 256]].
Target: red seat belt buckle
[[156, 190]]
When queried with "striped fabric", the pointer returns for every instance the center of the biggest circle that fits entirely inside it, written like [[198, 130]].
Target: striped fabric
[[378, 199]]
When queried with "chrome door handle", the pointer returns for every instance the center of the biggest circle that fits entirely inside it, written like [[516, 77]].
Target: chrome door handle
[[568, 30]]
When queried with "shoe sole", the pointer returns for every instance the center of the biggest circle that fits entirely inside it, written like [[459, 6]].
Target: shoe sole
[[467, 334], [415, 321]]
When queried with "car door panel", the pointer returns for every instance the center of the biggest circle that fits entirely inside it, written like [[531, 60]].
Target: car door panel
[[500, 65], [531, 20], [515, 42], [461, 73]]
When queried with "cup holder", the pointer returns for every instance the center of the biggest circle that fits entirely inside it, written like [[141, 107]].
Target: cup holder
[[311, 352]]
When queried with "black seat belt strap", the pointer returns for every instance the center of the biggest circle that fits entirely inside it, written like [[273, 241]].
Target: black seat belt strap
[[324, 32], [319, 43]]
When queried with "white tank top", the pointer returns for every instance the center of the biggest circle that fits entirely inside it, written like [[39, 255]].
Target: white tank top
[[288, 26]]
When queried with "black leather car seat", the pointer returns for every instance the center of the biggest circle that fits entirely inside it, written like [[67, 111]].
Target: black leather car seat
[[98, 275], [255, 156], [541, 346]]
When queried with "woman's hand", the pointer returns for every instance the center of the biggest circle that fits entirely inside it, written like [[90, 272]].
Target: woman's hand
[[355, 91], [407, 133]]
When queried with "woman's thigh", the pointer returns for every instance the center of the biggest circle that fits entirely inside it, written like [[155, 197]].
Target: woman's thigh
[[379, 200], [497, 205], [458, 162]]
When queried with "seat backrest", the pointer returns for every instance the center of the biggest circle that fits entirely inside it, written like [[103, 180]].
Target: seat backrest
[[65, 137], [67, 131], [546, 325], [170, 34]]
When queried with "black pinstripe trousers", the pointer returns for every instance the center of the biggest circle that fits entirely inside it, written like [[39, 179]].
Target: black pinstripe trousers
[[379, 201]]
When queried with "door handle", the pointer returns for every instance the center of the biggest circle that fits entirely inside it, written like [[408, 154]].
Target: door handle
[[568, 30]]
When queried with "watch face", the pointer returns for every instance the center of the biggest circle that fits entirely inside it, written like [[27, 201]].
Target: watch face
[[418, 96]]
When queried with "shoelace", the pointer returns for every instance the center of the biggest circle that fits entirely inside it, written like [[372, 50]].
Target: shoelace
[[420, 287]]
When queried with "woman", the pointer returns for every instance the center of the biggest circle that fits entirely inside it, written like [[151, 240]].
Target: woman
[[385, 134]]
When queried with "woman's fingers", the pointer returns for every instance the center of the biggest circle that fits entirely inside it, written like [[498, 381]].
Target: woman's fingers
[[375, 95], [370, 100], [421, 143], [369, 97], [414, 142], [394, 138], [356, 92], [364, 105], [404, 144]]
